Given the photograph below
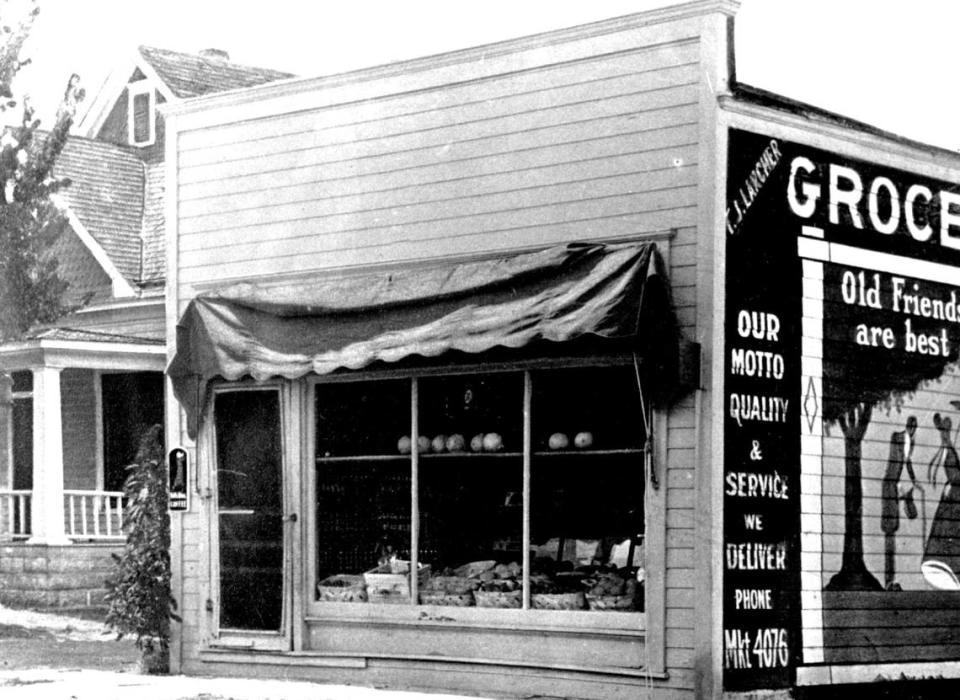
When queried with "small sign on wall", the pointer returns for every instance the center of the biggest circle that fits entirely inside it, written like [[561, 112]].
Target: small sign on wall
[[177, 469]]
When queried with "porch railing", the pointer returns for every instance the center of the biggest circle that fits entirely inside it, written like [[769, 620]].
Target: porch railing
[[87, 515], [15, 513], [93, 515]]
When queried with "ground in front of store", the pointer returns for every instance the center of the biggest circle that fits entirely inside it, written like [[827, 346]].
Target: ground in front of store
[[46, 656]]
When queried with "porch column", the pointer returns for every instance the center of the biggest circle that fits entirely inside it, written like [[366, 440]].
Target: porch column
[[47, 500]]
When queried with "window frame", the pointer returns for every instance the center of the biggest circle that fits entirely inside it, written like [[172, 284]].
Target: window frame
[[647, 624], [134, 90]]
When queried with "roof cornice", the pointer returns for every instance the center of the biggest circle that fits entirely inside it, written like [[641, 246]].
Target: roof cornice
[[476, 54], [936, 161], [82, 355]]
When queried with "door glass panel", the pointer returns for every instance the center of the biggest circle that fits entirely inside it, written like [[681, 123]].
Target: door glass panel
[[250, 510]]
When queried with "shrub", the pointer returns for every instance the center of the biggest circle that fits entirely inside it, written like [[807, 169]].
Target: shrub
[[138, 592]]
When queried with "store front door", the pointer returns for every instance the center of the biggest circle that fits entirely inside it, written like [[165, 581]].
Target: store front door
[[251, 520]]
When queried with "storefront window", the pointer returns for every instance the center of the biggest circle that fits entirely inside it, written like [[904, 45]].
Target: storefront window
[[363, 484], [586, 503], [471, 487], [511, 489]]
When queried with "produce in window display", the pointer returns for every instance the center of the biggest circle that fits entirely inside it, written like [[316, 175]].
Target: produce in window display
[[456, 443], [492, 442], [583, 441], [584, 503], [501, 587]]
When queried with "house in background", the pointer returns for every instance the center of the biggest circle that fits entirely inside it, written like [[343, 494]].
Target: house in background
[[77, 395]]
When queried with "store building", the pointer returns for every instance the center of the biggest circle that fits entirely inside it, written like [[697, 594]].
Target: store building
[[648, 375]]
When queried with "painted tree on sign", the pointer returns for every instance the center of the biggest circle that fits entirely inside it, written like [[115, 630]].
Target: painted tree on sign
[[31, 290]]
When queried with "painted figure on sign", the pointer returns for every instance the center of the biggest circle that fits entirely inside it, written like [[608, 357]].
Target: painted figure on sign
[[941, 556], [901, 452]]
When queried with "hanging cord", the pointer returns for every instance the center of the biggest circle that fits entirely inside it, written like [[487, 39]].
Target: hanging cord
[[648, 438], [648, 468]]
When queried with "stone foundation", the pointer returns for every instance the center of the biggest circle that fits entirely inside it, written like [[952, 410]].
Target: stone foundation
[[55, 576]]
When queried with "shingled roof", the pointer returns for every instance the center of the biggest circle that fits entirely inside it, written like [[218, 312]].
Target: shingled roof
[[117, 193], [107, 196], [190, 75], [153, 260]]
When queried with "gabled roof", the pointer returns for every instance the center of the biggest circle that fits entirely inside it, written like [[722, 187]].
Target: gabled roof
[[107, 197], [88, 281], [189, 75], [116, 197]]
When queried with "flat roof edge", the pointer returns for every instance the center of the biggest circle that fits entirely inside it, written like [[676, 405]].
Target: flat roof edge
[[745, 94], [281, 88]]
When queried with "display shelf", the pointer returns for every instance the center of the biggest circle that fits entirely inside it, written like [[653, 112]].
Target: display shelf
[[482, 455], [362, 458], [589, 453]]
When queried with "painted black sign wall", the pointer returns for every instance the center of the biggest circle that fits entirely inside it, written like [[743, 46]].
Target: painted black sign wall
[[762, 397], [882, 323]]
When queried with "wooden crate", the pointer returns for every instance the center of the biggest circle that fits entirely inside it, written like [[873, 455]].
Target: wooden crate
[[390, 583]]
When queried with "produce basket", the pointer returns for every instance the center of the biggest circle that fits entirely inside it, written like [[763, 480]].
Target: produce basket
[[611, 602], [390, 583], [460, 600], [342, 588], [558, 601], [499, 599], [451, 584]]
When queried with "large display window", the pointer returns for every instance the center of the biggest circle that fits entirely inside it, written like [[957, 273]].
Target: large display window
[[503, 490]]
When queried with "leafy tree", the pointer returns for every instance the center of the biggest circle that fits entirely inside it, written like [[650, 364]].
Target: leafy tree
[[138, 592], [31, 289]]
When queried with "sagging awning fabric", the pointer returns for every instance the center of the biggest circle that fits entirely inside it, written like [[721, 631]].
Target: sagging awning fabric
[[614, 292]]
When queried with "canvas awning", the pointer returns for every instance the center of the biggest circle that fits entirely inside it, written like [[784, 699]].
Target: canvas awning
[[616, 293]]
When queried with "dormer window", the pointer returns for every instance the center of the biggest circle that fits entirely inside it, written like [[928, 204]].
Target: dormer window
[[141, 113]]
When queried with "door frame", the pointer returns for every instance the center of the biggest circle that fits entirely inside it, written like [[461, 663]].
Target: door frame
[[289, 637]]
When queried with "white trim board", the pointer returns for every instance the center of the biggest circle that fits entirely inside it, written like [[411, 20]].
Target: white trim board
[[840, 254], [135, 90], [93, 120]]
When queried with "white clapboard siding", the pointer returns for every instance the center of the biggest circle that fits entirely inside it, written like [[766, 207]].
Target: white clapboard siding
[[650, 67], [653, 191], [552, 124], [444, 181], [483, 117], [392, 246]]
